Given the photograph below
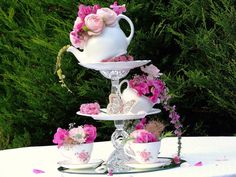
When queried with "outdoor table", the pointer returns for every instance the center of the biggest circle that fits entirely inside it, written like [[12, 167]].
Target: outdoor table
[[216, 156]]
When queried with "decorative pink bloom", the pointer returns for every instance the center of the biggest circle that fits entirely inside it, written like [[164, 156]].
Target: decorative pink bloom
[[94, 24], [91, 133], [108, 15], [174, 117], [141, 124], [60, 136], [176, 159], [145, 155], [95, 8], [152, 71], [77, 134], [143, 136], [90, 108], [178, 132], [78, 24], [78, 40], [84, 11], [118, 9]]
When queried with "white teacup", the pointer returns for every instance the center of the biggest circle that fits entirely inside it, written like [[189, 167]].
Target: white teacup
[[78, 153], [142, 103], [143, 152]]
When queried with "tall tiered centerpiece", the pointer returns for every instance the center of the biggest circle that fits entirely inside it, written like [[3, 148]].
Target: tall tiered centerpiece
[[98, 43]]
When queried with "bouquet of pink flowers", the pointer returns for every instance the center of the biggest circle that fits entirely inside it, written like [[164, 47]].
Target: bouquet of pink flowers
[[148, 84], [91, 20], [75, 135]]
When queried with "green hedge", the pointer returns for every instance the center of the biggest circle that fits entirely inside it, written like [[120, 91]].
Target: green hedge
[[192, 42]]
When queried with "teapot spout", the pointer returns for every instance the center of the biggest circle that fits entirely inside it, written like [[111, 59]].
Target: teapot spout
[[76, 52]]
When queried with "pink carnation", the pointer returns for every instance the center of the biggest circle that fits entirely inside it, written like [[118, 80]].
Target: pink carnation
[[86, 10], [90, 132], [143, 136], [60, 136], [94, 23], [90, 108]]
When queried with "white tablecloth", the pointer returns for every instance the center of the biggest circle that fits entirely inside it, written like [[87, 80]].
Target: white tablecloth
[[217, 154]]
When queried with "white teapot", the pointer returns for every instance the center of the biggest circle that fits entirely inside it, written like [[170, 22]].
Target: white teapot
[[142, 103], [110, 43]]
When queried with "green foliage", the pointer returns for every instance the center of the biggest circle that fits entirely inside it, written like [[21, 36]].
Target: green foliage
[[192, 42]]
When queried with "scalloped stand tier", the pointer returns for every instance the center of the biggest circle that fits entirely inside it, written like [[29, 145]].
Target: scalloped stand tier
[[115, 71]]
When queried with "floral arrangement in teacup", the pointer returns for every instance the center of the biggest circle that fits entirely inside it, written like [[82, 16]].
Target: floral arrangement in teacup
[[146, 132], [75, 135], [148, 84], [144, 143], [76, 143], [91, 21]]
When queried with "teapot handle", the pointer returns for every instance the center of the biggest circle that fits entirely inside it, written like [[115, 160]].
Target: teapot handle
[[121, 83], [120, 16]]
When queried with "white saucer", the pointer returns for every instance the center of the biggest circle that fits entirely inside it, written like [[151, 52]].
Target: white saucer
[[104, 116], [160, 163], [73, 165]]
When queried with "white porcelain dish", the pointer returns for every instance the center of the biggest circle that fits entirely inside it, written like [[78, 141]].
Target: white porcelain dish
[[103, 66], [160, 163], [93, 163], [104, 116]]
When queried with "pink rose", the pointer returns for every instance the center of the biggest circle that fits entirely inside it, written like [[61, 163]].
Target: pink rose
[[108, 15], [60, 136], [94, 24], [91, 133], [90, 108]]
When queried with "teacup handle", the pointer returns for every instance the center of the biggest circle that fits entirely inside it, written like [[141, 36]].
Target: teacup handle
[[120, 16], [121, 83], [128, 151]]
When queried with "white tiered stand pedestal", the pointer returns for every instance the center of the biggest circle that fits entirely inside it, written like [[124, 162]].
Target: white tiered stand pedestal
[[115, 71]]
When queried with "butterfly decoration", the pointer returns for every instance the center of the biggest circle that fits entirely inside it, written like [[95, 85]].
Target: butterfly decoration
[[116, 105]]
